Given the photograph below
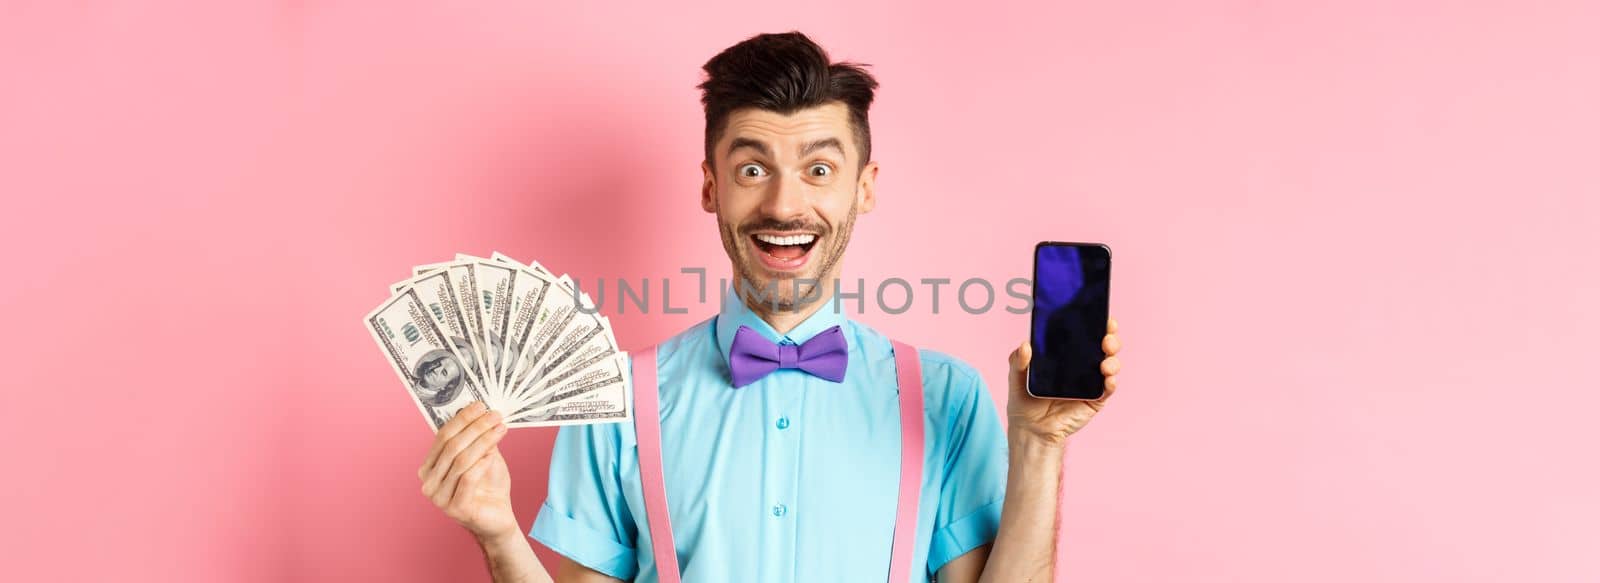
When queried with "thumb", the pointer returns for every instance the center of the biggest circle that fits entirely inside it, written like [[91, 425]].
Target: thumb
[[1019, 368]]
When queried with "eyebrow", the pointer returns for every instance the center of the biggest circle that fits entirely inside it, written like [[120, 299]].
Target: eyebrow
[[822, 143], [761, 147]]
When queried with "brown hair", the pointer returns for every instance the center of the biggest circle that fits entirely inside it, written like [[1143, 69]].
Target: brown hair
[[783, 73]]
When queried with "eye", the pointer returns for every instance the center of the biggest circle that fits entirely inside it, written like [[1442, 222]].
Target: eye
[[752, 171], [819, 170]]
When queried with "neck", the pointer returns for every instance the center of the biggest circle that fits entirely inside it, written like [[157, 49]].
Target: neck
[[784, 319]]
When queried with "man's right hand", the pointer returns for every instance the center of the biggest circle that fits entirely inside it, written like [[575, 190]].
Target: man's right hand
[[465, 476]]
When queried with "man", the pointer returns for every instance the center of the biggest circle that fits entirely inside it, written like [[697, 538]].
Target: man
[[786, 476]]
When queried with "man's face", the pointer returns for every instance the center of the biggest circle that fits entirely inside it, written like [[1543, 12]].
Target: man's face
[[786, 190]]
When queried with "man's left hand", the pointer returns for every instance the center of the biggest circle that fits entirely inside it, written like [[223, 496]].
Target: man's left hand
[[1052, 420]]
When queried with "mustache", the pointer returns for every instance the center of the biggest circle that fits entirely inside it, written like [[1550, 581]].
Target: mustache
[[769, 224]]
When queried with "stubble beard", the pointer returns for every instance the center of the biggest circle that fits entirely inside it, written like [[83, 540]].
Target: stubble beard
[[782, 293]]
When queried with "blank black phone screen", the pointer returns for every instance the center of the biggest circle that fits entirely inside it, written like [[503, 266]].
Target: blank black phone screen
[[1071, 292]]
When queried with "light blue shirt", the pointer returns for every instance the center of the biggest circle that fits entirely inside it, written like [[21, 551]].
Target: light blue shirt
[[790, 478]]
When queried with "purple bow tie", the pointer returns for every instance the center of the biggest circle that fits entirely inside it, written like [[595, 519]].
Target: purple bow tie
[[752, 357]]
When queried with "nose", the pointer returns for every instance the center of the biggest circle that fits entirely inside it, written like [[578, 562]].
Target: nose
[[785, 198]]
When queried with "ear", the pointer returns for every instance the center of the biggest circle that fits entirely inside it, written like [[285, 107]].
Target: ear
[[708, 189], [866, 196]]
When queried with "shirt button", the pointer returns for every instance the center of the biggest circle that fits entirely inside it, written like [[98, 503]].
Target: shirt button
[[783, 423], [780, 510]]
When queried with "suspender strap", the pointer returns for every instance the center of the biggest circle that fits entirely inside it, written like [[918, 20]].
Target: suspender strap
[[908, 368], [647, 422]]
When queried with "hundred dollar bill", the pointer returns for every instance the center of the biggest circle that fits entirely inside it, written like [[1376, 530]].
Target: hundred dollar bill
[[497, 256], [503, 258], [559, 309], [549, 316], [562, 388], [494, 281], [582, 325], [419, 269], [478, 303], [586, 324], [531, 285], [586, 341], [427, 267], [534, 266], [422, 357], [437, 294], [528, 311], [465, 279], [601, 393]]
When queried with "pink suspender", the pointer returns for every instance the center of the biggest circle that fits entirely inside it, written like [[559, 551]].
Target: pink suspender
[[909, 368], [647, 421]]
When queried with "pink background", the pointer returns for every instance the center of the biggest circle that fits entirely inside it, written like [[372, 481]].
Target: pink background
[[1354, 246]]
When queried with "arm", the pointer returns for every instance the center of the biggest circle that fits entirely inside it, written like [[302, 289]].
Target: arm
[[465, 476], [572, 572], [511, 560], [585, 517], [1024, 547], [1024, 550]]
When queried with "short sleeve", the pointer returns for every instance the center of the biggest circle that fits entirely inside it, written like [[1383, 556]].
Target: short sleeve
[[585, 516], [972, 492]]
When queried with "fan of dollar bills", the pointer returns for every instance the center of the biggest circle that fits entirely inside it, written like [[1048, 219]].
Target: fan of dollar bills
[[525, 342]]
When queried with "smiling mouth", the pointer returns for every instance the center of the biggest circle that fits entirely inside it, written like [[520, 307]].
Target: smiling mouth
[[784, 252]]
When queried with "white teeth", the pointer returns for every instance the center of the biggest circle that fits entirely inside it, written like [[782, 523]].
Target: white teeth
[[786, 240]]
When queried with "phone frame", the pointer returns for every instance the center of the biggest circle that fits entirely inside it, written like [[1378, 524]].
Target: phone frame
[[1033, 311]]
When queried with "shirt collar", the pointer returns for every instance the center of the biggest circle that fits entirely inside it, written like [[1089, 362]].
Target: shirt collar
[[735, 314]]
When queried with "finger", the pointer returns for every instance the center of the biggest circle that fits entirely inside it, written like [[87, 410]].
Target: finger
[[451, 451], [1019, 365], [1111, 387], [479, 449], [440, 491], [452, 448], [1110, 366], [450, 428], [471, 456], [1111, 325], [470, 479], [1111, 344]]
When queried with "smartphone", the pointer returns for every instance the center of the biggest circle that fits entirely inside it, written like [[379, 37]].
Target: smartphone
[[1071, 293]]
